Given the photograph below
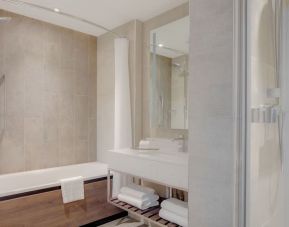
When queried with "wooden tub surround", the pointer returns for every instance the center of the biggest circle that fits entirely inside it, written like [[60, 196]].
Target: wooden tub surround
[[45, 208]]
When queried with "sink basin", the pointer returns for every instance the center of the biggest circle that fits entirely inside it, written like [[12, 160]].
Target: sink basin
[[169, 169]]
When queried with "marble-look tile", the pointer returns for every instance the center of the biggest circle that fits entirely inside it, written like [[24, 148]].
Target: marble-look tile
[[34, 99], [66, 42], [81, 117], [12, 156], [14, 103], [50, 95], [52, 55], [80, 51], [33, 72], [92, 83], [92, 106], [51, 105], [51, 154], [66, 141], [52, 78], [66, 105], [33, 130], [92, 139], [105, 127], [67, 81], [50, 129], [52, 33], [15, 129], [14, 77], [81, 80], [81, 151]]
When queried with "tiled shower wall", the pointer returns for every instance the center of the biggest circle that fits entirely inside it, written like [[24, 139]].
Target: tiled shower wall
[[50, 110]]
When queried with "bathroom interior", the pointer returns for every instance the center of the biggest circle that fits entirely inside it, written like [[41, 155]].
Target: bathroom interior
[[137, 113]]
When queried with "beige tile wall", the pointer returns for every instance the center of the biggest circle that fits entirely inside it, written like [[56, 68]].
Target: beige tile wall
[[50, 95]]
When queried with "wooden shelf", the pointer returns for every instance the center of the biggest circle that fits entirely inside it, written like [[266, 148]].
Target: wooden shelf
[[151, 215]]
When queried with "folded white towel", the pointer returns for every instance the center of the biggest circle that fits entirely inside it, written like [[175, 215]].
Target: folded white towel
[[139, 194], [72, 189], [141, 204], [172, 217], [119, 180], [141, 188], [176, 206], [144, 144]]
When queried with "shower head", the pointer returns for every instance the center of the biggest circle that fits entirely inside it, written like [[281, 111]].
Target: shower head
[[5, 19]]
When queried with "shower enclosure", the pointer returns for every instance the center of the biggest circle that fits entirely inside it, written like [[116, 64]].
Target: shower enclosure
[[267, 131]]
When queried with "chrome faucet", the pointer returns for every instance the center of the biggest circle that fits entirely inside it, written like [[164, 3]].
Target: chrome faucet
[[179, 137]]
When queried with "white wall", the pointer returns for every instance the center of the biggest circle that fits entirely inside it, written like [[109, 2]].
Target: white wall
[[211, 115]]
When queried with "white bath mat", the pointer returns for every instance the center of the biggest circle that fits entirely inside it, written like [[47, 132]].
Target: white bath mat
[[124, 222]]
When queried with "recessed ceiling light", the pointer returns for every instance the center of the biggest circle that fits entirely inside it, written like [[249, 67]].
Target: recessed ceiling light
[[56, 10], [161, 45]]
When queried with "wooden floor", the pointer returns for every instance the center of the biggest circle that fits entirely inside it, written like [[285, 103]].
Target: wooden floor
[[47, 210]]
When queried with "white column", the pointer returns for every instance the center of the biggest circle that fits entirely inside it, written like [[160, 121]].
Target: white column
[[122, 104]]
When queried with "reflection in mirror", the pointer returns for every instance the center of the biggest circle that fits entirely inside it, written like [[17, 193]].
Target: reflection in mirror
[[169, 50]]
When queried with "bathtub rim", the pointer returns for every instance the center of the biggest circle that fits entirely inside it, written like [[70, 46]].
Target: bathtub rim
[[42, 188]]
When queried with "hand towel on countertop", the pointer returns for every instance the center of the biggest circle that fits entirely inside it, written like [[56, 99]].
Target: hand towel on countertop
[[176, 206], [138, 194], [72, 189], [173, 217], [144, 144], [141, 204]]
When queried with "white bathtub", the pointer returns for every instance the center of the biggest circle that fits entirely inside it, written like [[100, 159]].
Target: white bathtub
[[23, 182]]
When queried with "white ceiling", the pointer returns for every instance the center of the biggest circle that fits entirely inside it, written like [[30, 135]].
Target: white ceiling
[[108, 13], [174, 37]]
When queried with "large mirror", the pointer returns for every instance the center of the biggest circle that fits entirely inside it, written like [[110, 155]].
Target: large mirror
[[169, 50]]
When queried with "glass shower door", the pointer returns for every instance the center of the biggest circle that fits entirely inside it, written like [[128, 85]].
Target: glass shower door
[[267, 164]]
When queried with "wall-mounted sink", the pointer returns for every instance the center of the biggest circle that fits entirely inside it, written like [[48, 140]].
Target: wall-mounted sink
[[169, 169]]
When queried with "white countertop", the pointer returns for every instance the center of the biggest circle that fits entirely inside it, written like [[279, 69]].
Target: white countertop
[[170, 169]]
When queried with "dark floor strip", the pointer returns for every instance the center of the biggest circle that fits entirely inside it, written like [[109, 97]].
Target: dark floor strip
[[106, 220]]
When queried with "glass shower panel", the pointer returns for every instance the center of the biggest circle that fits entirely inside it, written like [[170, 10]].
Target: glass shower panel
[[265, 149]]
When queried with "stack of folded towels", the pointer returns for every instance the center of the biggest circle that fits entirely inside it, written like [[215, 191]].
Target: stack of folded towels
[[175, 211], [138, 196]]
